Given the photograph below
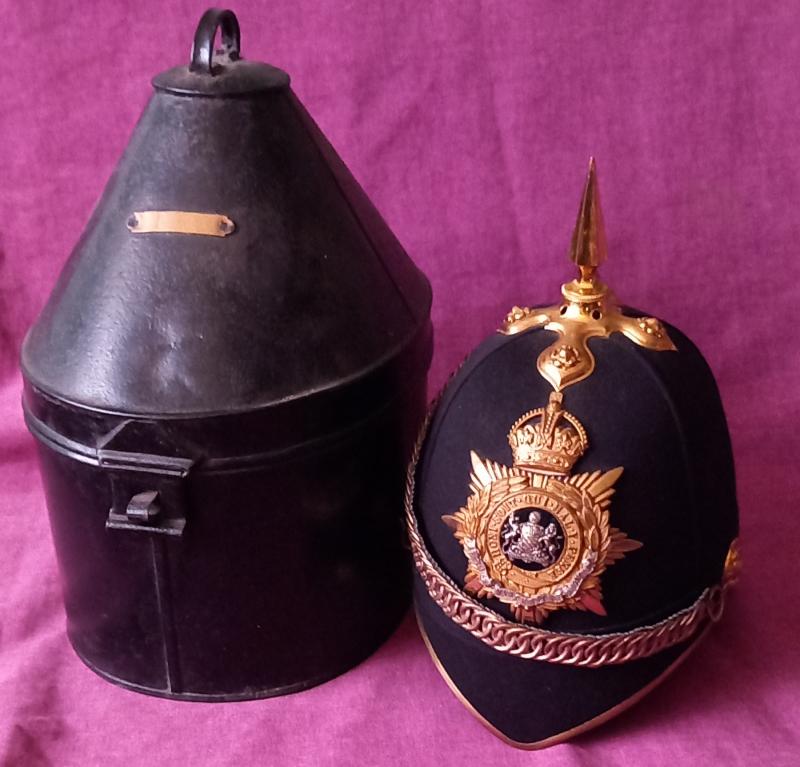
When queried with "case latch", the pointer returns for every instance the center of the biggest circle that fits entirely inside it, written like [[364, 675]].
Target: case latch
[[148, 492]]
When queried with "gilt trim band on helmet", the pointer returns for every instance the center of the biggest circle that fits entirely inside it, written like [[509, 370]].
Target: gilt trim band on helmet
[[530, 642]]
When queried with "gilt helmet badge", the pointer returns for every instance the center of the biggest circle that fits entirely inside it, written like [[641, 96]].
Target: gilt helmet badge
[[535, 536]]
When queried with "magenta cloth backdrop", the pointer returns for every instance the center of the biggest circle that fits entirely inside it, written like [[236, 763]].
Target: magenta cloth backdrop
[[470, 125]]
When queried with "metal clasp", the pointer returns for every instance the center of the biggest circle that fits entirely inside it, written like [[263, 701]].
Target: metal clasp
[[148, 492]]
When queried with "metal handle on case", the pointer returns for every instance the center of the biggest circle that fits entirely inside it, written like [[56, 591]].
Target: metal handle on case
[[203, 47]]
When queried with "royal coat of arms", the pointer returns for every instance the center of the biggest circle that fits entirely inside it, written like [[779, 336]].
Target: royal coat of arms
[[536, 537]]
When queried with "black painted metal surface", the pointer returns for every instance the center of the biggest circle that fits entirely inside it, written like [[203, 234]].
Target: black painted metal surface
[[223, 422]]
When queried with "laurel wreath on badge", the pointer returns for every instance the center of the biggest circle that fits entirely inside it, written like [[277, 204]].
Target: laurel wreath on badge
[[534, 536]]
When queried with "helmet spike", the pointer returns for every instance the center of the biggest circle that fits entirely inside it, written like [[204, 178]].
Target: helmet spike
[[589, 248]]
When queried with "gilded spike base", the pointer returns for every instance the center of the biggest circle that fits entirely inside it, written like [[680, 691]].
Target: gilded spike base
[[589, 309], [568, 359]]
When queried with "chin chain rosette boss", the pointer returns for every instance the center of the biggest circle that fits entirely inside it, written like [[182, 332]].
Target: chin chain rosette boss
[[571, 509]]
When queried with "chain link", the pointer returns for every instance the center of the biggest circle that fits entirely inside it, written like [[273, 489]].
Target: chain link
[[583, 650]]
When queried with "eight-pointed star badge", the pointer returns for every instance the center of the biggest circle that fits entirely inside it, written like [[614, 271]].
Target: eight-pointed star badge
[[536, 537]]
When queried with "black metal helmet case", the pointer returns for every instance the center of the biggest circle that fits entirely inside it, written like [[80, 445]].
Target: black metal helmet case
[[225, 386]]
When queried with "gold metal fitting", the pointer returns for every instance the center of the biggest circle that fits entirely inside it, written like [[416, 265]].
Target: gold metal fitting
[[589, 248], [540, 443], [589, 310]]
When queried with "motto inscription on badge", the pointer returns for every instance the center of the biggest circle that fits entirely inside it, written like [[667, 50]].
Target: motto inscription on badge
[[536, 537]]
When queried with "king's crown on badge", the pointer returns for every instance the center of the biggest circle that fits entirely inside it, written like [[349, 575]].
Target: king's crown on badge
[[548, 440]]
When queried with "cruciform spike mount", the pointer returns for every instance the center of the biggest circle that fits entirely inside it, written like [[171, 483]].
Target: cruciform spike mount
[[589, 309]]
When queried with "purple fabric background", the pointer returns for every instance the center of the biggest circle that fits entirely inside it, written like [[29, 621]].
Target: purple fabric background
[[470, 124]]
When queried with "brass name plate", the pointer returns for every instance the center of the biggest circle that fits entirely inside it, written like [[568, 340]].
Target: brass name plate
[[181, 222]]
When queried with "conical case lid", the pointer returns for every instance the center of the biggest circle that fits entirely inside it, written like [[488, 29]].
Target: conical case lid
[[232, 262]]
